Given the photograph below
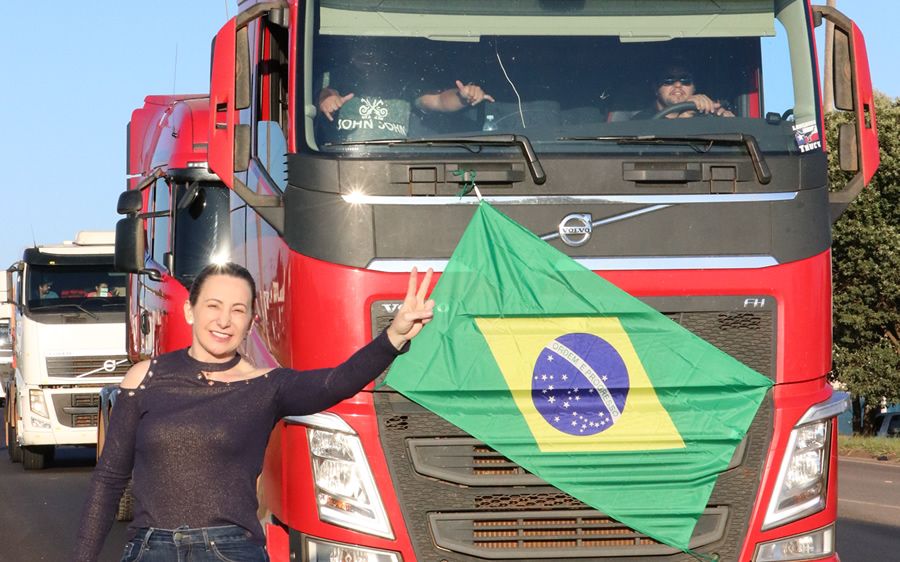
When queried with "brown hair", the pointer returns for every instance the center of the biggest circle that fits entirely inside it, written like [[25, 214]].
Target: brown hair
[[230, 269]]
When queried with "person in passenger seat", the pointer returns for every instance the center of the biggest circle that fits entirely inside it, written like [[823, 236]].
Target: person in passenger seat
[[372, 93], [674, 85]]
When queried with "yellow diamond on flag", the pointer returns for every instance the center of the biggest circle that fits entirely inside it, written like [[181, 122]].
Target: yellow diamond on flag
[[579, 384]]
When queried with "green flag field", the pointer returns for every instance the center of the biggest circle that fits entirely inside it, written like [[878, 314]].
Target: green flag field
[[578, 382]]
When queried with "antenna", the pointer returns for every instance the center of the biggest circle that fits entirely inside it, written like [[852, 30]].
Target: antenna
[[33, 237], [175, 70], [227, 17]]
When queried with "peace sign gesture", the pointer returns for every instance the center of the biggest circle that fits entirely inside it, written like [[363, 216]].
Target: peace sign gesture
[[415, 311]]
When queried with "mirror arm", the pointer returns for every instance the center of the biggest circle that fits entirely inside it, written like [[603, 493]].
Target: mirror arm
[[153, 274], [151, 179], [838, 201], [256, 11], [270, 207]]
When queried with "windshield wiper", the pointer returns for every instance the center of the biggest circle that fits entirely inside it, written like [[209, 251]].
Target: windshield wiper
[[64, 305], [521, 141], [763, 174]]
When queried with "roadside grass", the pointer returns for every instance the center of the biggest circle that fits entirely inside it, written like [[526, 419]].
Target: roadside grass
[[880, 448]]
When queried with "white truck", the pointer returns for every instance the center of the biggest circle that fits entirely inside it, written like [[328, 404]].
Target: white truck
[[5, 339], [68, 342]]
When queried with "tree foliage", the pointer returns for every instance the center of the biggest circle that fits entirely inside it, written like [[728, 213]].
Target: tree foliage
[[866, 273]]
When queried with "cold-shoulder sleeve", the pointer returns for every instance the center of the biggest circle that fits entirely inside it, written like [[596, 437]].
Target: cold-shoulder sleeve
[[307, 392], [110, 477]]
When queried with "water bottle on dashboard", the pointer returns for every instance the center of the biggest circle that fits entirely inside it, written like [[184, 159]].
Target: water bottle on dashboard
[[489, 123]]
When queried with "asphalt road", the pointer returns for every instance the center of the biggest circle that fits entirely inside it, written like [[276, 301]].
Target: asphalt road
[[40, 511], [868, 510]]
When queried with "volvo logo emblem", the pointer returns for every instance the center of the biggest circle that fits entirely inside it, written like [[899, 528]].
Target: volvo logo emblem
[[110, 365], [575, 229]]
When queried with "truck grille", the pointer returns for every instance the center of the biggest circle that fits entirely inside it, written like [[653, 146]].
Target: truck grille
[[554, 534], [88, 366], [77, 410], [464, 502]]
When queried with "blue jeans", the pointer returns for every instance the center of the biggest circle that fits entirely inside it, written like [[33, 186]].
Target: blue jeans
[[207, 544]]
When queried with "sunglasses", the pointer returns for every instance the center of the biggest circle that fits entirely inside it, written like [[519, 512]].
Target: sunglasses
[[685, 80]]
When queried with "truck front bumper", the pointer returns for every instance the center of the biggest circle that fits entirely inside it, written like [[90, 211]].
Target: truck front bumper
[[71, 420]]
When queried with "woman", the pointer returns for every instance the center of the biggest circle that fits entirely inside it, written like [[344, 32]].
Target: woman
[[191, 426]]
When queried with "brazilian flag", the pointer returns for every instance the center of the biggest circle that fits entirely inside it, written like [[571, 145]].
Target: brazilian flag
[[578, 382]]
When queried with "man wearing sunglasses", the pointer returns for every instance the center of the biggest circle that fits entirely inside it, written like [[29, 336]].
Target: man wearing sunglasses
[[675, 85]]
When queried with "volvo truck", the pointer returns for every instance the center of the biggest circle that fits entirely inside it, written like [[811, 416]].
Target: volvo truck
[[722, 223], [69, 341]]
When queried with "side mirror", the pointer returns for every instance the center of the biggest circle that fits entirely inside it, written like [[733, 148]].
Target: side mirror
[[130, 202], [230, 92], [129, 257], [221, 104], [858, 144], [130, 248]]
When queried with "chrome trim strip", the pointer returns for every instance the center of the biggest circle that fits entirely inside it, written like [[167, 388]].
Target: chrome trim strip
[[321, 421], [362, 199], [616, 218], [837, 404], [604, 264]]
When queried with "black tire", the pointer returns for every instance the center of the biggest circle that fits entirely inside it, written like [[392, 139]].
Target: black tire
[[126, 505], [12, 446], [37, 457]]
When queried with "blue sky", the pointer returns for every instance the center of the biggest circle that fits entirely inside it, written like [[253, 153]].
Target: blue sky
[[75, 71]]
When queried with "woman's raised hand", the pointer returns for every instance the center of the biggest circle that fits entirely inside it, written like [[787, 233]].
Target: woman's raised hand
[[415, 311]]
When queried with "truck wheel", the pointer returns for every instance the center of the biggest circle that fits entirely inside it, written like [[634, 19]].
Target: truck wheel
[[126, 505], [12, 446], [37, 458]]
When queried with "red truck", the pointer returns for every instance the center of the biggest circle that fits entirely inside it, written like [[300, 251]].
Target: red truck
[[722, 223]]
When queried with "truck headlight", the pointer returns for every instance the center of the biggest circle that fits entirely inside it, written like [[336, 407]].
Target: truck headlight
[[802, 482], [38, 406], [808, 546], [345, 489]]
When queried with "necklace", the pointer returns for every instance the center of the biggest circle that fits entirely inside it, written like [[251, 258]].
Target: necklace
[[205, 367]]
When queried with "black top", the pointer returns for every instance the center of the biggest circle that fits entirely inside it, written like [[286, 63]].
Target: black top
[[196, 446]]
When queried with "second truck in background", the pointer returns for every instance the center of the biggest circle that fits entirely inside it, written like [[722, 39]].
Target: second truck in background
[[68, 341]]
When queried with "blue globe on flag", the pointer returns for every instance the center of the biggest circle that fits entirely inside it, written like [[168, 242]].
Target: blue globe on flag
[[580, 384]]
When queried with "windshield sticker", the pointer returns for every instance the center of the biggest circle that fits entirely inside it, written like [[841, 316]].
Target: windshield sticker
[[807, 136]]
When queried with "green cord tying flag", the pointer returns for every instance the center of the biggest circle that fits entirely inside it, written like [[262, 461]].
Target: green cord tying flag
[[578, 382]]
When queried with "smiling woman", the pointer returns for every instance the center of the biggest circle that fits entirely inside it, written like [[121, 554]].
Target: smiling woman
[[192, 426], [220, 309]]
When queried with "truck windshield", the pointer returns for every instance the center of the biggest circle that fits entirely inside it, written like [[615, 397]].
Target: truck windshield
[[74, 288], [557, 71]]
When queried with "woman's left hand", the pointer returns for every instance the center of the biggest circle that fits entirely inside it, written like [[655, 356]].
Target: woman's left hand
[[415, 311]]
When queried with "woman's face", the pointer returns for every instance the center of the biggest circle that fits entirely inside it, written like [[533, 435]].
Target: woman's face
[[221, 317]]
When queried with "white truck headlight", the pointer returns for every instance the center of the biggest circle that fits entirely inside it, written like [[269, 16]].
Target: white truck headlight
[[38, 406], [802, 483], [345, 489], [808, 546]]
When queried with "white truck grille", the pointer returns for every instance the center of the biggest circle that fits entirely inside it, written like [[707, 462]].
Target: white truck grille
[[88, 366]]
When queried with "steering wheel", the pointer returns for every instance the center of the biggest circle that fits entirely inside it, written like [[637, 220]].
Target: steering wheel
[[677, 108]]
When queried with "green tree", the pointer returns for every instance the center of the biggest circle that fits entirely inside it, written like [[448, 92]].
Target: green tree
[[866, 274]]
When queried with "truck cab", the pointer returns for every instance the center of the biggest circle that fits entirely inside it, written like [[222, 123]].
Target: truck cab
[[68, 343]]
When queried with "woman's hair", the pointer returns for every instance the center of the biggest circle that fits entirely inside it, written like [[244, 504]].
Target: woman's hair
[[230, 269]]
